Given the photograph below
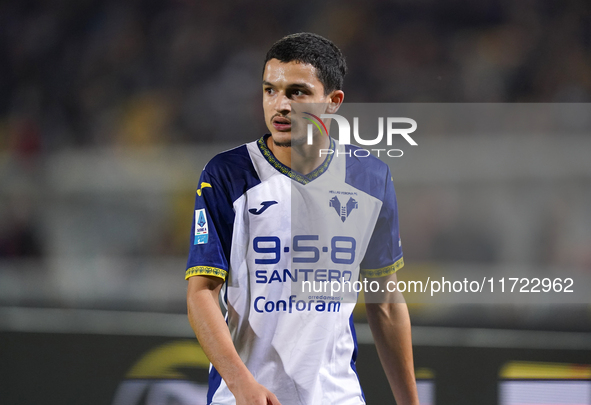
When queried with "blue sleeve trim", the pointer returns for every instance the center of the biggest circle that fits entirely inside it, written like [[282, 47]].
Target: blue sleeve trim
[[366, 174], [384, 271], [372, 176], [234, 171], [205, 271], [224, 179]]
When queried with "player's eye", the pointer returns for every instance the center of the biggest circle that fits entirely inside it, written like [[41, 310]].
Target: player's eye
[[297, 93], [268, 90]]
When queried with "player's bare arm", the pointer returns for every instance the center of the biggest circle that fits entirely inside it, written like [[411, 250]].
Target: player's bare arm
[[212, 332], [390, 325]]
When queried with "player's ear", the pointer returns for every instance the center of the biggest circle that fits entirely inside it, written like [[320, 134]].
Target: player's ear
[[335, 99]]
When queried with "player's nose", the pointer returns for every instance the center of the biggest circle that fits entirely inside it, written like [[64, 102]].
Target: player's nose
[[283, 103]]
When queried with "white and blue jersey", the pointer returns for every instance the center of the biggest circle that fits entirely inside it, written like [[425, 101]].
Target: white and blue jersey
[[264, 229]]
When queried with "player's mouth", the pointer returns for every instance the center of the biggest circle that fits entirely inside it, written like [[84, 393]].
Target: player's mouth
[[282, 124]]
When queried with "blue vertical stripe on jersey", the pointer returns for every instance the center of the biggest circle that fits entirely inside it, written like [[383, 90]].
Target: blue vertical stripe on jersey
[[215, 379], [354, 355]]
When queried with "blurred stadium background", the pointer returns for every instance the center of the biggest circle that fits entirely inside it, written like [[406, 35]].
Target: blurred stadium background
[[110, 109]]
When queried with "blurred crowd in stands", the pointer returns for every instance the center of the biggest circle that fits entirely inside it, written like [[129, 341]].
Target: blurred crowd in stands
[[111, 72], [80, 74]]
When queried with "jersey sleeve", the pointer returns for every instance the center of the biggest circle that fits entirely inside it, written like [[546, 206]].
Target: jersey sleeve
[[211, 232], [384, 252]]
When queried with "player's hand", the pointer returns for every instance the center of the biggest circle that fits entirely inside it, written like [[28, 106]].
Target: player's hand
[[253, 393]]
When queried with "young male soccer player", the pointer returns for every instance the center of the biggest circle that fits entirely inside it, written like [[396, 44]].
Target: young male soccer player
[[274, 212]]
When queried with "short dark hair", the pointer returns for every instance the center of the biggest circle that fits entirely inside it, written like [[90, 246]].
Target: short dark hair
[[306, 47]]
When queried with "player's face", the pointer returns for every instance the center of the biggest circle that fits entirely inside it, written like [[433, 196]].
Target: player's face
[[283, 85]]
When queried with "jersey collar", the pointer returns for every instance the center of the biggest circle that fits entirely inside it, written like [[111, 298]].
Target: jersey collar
[[292, 174]]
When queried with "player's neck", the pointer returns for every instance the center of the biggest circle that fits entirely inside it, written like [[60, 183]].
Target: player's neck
[[302, 158]]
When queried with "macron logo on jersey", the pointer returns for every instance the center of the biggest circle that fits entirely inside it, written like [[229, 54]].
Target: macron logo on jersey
[[201, 233], [265, 205]]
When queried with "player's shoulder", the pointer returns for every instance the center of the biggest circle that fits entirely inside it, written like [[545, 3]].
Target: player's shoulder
[[361, 161], [230, 160], [234, 170], [366, 173]]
